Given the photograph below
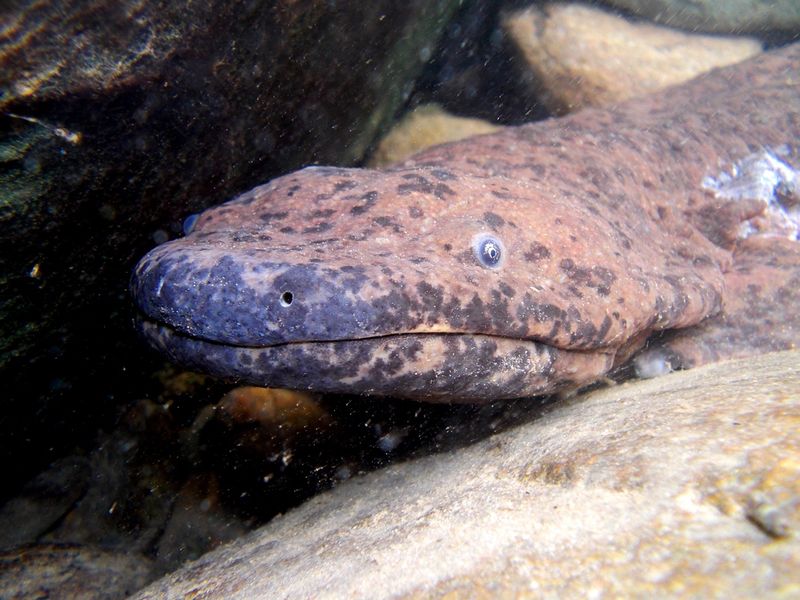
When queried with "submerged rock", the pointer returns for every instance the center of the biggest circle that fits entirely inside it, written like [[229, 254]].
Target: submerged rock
[[426, 126], [687, 484], [584, 56]]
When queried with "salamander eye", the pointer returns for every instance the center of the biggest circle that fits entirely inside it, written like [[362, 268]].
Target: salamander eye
[[189, 223], [488, 250]]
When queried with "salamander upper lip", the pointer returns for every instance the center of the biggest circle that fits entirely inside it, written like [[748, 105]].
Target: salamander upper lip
[[243, 299], [173, 331], [246, 300]]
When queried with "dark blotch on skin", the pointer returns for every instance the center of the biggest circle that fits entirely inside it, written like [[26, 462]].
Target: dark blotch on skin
[[432, 298], [585, 332], [498, 308], [413, 349], [441, 190], [574, 291], [443, 175], [421, 185], [598, 177], [318, 228], [388, 222], [606, 277], [407, 188], [322, 213], [268, 217], [416, 179], [536, 252], [537, 170], [415, 212], [598, 278], [242, 237], [370, 198], [360, 236], [344, 185], [539, 312], [702, 261], [493, 220], [477, 314], [466, 257], [604, 327]]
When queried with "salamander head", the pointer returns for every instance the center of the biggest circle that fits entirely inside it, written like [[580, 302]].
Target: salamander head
[[413, 282]]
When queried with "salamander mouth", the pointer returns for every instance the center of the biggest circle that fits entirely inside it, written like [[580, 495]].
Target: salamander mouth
[[451, 367], [147, 326], [173, 332]]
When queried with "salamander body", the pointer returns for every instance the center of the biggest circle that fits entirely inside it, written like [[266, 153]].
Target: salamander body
[[517, 263]]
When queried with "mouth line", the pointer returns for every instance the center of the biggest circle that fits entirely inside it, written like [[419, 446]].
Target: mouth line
[[178, 333]]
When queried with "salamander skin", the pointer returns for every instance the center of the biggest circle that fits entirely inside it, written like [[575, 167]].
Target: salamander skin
[[513, 264]]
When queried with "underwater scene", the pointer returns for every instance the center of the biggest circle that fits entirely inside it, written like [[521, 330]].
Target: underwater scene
[[322, 299]]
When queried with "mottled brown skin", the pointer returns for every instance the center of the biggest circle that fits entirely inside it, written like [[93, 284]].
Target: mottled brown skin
[[762, 296], [607, 237]]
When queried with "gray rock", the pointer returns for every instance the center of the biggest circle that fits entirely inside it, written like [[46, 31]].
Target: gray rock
[[60, 572], [43, 501], [687, 485], [732, 16]]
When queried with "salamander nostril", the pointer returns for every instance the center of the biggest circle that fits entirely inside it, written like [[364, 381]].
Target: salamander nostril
[[287, 298]]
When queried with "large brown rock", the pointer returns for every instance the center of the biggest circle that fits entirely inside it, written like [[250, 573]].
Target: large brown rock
[[687, 485], [583, 56], [427, 125], [118, 119]]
